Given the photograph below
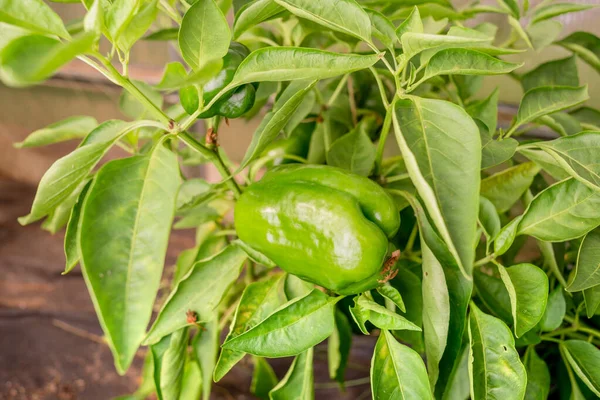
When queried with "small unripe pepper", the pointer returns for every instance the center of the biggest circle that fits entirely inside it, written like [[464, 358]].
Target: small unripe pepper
[[321, 223]]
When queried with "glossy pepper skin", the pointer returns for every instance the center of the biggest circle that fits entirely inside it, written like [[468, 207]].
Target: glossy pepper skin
[[297, 144], [321, 223], [234, 103]]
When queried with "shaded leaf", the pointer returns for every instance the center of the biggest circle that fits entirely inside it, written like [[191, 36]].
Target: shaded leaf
[[555, 310], [298, 382], [263, 378], [584, 358], [538, 376], [253, 13], [561, 72], [504, 188], [338, 347], [169, 357], [587, 272], [554, 10], [72, 253], [274, 122], [354, 152], [206, 348]]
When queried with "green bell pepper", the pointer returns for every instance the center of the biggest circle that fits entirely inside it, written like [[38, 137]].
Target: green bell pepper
[[322, 224], [232, 104]]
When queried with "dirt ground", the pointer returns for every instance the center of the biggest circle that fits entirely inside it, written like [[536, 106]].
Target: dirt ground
[[50, 340]]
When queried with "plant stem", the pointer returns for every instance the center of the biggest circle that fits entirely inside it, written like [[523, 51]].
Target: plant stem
[[397, 178], [338, 90], [215, 158], [348, 383], [411, 239], [133, 90], [484, 260], [385, 131]]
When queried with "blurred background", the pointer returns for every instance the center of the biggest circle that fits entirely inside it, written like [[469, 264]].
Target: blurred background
[[50, 346]]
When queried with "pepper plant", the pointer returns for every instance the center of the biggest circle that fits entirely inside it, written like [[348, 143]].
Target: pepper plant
[[471, 252]]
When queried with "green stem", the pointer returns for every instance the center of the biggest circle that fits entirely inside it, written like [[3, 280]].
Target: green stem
[[380, 86], [411, 239], [397, 178], [338, 90], [484, 260], [215, 158], [385, 131], [133, 90]]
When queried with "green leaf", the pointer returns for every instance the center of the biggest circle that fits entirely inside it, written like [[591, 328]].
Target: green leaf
[[486, 111], [584, 358], [538, 376], [492, 292], [561, 72], [555, 310], [414, 43], [130, 208], [295, 287], [338, 347], [547, 100], [397, 371], [296, 63], [298, 382], [163, 34], [543, 33], [258, 301], [459, 386], [554, 10], [118, 16], [527, 287], [562, 123], [504, 188], [516, 25], [169, 361], [140, 21], [442, 151], [392, 294], [94, 19], [132, 107], [587, 272], [381, 317], [586, 45], [204, 34], [412, 23], [495, 369], [263, 378], [274, 122], [72, 253], [295, 327], [67, 129], [253, 13], [255, 255], [588, 117], [564, 211], [511, 6], [191, 382], [465, 62], [215, 275], [591, 297], [345, 16], [31, 59], [354, 152], [506, 236], [488, 218], [382, 29], [67, 173], [578, 156], [546, 161], [436, 312], [34, 15], [206, 348], [409, 285]]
